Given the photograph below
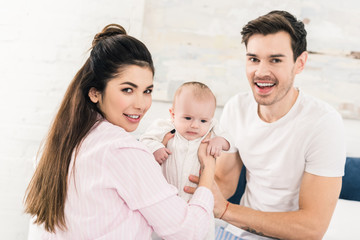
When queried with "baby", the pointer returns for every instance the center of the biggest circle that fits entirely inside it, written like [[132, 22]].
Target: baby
[[192, 115]]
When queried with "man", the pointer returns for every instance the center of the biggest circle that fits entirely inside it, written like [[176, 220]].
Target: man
[[291, 144]]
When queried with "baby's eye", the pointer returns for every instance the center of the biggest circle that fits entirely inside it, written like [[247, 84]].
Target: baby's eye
[[203, 121], [127, 90], [188, 118]]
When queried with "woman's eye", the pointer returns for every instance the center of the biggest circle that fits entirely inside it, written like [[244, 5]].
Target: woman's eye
[[148, 91], [127, 90]]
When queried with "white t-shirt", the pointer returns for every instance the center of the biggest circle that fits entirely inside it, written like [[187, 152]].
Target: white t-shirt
[[310, 138]]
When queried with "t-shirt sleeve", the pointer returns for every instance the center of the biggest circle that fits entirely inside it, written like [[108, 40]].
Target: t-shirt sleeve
[[326, 153], [226, 124], [220, 132]]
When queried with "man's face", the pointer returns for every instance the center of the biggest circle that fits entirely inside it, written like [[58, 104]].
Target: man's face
[[270, 68]]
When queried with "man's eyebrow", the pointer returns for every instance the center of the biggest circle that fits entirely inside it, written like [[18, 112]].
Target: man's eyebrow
[[271, 56], [277, 55], [251, 54]]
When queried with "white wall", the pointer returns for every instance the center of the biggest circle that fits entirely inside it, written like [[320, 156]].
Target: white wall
[[200, 40], [44, 43]]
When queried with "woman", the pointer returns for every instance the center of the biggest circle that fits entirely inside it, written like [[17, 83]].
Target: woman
[[96, 181]]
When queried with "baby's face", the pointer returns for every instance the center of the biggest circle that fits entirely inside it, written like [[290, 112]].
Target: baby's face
[[192, 117]]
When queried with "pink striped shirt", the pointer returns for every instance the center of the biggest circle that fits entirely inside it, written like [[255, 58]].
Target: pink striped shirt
[[119, 192]]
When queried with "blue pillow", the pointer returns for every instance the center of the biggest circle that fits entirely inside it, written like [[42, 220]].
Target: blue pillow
[[350, 186], [240, 188], [351, 180]]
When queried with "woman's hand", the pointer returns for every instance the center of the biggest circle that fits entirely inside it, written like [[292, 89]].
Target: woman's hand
[[204, 157], [167, 137], [207, 165]]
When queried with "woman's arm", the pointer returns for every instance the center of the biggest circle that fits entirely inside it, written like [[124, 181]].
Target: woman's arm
[[140, 184], [207, 165], [174, 218]]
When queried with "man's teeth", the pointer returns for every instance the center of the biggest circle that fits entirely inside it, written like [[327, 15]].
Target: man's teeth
[[133, 116], [265, 84]]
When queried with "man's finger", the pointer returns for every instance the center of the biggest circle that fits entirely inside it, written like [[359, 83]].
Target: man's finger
[[190, 190], [167, 151], [167, 137], [194, 179]]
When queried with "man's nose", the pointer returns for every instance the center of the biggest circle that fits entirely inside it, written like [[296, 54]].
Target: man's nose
[[262, 70]]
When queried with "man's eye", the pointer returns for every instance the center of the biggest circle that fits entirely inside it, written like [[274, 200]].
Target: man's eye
[[203, 121], [253, 59], [275, 60], [188, 118], [127, 90]]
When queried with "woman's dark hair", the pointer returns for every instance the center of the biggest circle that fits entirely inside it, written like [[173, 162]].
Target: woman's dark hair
[[112, 51], [276, 21]]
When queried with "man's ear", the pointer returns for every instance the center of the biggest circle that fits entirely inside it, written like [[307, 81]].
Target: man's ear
[[94, 95], [172, 114], [300, 62]]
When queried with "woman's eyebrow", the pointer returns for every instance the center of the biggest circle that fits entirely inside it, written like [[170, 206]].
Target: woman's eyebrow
[[130, 83]]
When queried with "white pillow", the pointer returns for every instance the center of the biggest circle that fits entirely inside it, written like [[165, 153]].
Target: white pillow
[[345, 223]]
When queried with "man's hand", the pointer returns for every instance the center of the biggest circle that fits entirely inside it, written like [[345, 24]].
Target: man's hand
[[193, 179], [161, 155], [219, 200]]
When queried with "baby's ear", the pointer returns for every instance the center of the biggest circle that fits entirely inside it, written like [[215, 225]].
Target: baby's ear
[[172, 114]]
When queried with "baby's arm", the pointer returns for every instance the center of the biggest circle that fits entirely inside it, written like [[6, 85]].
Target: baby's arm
[[155, 140], [161, 155], [216, 145]]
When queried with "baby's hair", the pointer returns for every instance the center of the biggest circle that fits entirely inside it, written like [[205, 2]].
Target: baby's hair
[[200, 91]]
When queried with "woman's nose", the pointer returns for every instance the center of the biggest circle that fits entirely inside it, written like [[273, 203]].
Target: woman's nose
[[139, 102]]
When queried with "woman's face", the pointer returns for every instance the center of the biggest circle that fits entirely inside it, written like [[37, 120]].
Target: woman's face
[[126, 97]]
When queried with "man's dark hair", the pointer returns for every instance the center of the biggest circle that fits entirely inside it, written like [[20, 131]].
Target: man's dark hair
[[276, 21]]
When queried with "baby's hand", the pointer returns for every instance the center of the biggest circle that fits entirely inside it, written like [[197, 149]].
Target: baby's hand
[[161, 155], [216, 145]]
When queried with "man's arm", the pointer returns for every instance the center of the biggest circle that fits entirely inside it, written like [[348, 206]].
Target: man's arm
[[317, 200], [227, 173]]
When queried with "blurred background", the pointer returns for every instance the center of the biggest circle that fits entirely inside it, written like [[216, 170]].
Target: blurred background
[[44, 43]]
